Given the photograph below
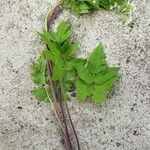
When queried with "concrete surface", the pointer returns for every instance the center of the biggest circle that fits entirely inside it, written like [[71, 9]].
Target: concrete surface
[[123, 123]]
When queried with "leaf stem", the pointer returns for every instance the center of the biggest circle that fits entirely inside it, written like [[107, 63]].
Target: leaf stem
[[70, 120], [52, 14], [56, 101], [66, 138], [58, 96], [54, 97], [72, 125], [51, 102]]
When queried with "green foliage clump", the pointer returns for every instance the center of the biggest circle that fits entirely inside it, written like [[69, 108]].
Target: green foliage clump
[[92, 77], [85, 6]]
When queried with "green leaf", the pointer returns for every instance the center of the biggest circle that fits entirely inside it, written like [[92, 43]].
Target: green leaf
[[96, 61], [106, 76], [37, 71], [41, 94], [69, 64], [70, 76], [50, 39], [83, 8], [53, 55], [84, 73], [72, 49], [58, 70], [36, 75], [64, 47], [72, 63], [109, 84], [97, 76], [82, 89], [62, 28], [98, 98], [67, 86], [47, 36], [63, 32], [93, 3]]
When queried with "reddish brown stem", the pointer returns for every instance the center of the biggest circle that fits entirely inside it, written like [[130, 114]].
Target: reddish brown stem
[[67, 132], [52, 15], [58, 104], [58, 101], [72, 125]]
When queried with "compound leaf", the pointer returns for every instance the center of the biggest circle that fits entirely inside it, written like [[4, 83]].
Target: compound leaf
[[92, 77]]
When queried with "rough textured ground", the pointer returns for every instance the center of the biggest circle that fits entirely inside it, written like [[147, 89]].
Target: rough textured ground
[[123, 123]]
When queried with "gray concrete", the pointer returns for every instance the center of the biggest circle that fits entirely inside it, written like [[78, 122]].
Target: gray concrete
[[123, 123]]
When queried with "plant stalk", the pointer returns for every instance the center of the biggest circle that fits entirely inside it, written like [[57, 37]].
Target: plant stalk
[[61, 109], [57, 105]]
